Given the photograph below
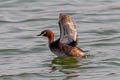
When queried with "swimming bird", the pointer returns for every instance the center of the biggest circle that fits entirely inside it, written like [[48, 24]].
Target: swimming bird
[[66, 45]]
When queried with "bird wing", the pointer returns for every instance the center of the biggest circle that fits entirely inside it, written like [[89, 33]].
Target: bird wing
[[68, 32]]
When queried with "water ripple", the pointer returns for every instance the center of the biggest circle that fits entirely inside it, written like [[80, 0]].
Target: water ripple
[[23, 56]]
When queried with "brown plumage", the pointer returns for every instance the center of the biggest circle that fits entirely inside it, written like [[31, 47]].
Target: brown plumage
[[66, 45]]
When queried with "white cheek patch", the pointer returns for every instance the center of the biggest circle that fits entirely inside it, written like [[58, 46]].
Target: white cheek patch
[[44, 33]]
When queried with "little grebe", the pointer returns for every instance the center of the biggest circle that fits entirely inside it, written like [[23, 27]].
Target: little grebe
[[66, 44]]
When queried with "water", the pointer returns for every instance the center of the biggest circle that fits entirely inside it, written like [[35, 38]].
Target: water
[[24, 56]]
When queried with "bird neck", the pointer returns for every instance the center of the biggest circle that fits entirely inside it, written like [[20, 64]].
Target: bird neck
[[51, 38]]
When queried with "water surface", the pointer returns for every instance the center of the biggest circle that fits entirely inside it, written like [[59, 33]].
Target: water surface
[[24, 56]]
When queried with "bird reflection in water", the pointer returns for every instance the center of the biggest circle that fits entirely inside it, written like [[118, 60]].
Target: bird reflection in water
[[66, 65]]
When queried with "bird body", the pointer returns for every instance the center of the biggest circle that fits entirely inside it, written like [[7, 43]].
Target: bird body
[[66, 45]]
